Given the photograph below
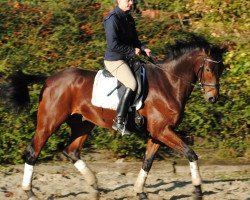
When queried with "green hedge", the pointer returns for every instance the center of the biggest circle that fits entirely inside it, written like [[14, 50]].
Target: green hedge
[[49, 36]]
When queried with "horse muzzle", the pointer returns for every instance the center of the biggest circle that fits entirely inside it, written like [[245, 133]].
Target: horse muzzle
[[211, 98], [211, 91]]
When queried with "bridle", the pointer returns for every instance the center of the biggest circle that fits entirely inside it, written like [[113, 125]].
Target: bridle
[[201, 85], [201, 70]]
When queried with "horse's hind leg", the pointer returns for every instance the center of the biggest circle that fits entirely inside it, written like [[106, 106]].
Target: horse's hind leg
[[47, 123], [152, 148], [80, 132]]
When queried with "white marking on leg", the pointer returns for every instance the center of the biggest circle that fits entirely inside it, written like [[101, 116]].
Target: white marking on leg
[[88, 175], [141, 179], [27, 176], [195, 173]]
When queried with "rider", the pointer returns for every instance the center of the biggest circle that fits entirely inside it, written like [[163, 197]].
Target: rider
[[122, 44]]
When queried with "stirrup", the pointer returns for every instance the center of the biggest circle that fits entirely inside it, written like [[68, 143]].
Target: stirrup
[[120, 127]]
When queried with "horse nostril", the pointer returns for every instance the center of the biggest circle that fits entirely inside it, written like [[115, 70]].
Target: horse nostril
[[211, 99]]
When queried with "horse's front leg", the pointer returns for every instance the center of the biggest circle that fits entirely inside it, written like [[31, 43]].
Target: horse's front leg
[[151, 150], [170, 138]]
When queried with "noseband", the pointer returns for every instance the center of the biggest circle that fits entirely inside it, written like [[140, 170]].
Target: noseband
[[201, 69]]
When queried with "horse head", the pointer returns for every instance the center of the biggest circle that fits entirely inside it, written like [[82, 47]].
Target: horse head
[[208, 69]]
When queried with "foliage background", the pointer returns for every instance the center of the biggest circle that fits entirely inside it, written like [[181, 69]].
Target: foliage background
[[48, 36]]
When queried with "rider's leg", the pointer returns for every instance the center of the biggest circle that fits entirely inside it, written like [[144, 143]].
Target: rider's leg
[[122, 110], [123, 73]]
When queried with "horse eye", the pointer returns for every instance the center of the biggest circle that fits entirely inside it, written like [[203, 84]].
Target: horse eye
[[207, 69]]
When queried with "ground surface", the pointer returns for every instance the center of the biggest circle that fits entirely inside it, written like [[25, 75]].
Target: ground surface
[[117, 176]]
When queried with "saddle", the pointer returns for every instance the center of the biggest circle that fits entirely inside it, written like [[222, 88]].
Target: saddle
[[138, 70], [107, 90]]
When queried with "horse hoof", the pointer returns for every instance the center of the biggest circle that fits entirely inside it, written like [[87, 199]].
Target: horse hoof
[[30, 194], [142, 196], [197, 194]]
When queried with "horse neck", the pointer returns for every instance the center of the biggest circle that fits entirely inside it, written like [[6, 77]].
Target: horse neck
[[180, 75]]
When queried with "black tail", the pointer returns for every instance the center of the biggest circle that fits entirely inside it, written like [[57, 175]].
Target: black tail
[[17, 90]]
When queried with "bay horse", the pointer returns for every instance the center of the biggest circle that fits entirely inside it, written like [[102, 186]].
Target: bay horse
[[170, 83]]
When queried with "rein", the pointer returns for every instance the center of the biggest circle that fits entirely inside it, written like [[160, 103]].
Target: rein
[[200, 86]]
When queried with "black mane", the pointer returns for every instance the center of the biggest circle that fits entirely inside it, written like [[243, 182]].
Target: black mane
[[182, 47]]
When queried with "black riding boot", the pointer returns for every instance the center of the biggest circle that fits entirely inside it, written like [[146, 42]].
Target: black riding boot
[[122, 110]]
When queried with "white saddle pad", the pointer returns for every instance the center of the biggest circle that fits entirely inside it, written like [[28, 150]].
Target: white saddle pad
[[101, 88]]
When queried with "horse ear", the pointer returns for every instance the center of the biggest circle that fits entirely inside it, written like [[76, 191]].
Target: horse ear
[[227, 46]]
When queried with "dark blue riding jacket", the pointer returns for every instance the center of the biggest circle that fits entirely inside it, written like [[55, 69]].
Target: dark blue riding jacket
[[121, 35]]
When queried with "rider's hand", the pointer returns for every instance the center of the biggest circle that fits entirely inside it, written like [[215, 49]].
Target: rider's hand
[[137, 51], [148, 52]]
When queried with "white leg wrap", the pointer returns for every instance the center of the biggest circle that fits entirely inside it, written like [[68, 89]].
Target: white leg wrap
[[86, 172], [195, 173], [27, 176], [141, 179]]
